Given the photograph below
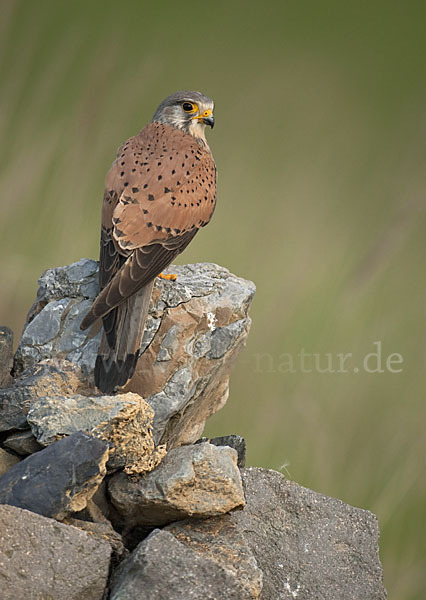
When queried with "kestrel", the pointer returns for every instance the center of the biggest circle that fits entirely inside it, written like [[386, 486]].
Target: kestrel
[[158, 193]]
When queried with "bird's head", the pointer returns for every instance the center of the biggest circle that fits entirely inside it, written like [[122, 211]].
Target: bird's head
[[188, 111]]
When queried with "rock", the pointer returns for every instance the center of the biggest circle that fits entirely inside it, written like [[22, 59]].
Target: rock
[[51, 377], [42, 559], [124, 420], [101, 531], [161, 567], [218, 540], [306, 544], [22, 442], [59, 479], [184, 372], [6, 356], [233, 441], [52, 328], [196, 327], [200, 480], [7, 461]]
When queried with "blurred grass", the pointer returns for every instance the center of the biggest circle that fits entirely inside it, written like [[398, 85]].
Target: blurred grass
[[320, 146]]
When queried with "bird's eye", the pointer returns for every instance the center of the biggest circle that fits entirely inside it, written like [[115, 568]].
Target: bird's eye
[[189, 107]]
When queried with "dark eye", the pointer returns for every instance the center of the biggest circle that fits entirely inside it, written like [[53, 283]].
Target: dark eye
[[188, 107]]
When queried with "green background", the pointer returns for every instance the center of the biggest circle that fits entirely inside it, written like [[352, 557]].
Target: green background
[[320, 145]]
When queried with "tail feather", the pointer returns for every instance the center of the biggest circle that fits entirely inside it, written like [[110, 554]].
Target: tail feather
[[119, 348]]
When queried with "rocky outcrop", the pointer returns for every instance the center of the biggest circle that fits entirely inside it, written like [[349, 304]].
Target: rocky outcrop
[[196, 327], [148, 509]]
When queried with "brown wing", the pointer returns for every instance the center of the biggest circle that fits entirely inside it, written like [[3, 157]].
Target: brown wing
[[159, 192], [169, 187]]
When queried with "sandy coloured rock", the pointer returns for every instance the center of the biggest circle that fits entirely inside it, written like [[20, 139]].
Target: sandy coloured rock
[[200, 480], [124, 420]]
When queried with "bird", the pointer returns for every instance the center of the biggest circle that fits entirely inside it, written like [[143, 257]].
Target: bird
[[159, 192]]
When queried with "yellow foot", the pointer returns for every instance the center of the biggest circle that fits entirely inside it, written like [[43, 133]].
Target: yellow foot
[[171, 277]]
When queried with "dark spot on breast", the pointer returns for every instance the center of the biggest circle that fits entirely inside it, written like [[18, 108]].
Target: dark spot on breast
[[122, 173], [188, 173], [159, 164], [151, 197], [160, 177], [133, 170], [168, 229], [167, 190], [145, 212], [145, 186], [177, 230], [135, 190], [149, 224], [126, 183], [173, 171], [158, 227]]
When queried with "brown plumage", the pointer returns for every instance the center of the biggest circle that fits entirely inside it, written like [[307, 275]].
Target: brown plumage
[[158, 193]]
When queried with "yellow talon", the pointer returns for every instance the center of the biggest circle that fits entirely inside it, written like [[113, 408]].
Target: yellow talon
[[171, 277]]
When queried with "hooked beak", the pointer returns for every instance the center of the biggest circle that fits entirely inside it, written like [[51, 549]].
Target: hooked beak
[[209, 121]]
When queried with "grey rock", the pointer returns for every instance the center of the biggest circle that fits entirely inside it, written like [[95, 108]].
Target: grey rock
[[50, 377], [41, 559], [306, 544], [23, 443], [219, 540], [43, 328], [124, 420], [196, 327], [233, 441], [59, 479], [192, 481], [161, 567], [6, 356], [101, 531], [7, 461], [53, 323]]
